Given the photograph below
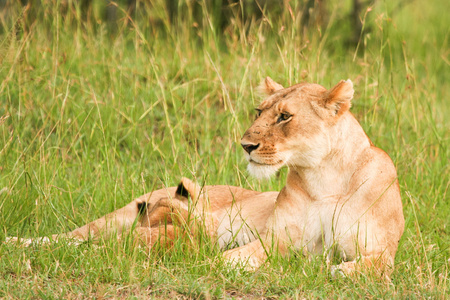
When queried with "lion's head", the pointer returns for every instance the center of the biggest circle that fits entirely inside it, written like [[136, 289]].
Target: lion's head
[[293, 125]]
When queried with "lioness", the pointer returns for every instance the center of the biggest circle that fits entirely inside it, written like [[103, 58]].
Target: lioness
[[341, 196], [342, 192]]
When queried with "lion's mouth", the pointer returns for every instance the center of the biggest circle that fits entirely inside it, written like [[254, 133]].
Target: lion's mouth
[[264, 164]]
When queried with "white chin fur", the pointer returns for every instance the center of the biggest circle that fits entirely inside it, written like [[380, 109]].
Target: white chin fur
[[261, 171]]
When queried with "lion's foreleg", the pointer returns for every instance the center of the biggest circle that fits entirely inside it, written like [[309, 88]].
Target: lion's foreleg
[[250, 256], [379, 265]]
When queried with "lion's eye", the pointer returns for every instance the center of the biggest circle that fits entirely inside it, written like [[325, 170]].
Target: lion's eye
[[283, 117], [258, 113]]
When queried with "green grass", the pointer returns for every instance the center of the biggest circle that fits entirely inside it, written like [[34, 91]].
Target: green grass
[[92, 118]]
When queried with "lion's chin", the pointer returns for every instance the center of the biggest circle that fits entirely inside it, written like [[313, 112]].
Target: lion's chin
[[262, 171]]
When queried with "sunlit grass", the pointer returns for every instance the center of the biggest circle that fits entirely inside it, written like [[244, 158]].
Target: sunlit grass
[[92, 119]]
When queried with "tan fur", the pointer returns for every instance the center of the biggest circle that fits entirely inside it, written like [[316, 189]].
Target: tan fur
[[341, 195]]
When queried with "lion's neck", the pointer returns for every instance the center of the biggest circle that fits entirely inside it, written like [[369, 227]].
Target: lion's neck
[[330, 178]]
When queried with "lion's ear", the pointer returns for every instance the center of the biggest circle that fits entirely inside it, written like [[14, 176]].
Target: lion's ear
[[338, 99], [267, 87], [188, 188]]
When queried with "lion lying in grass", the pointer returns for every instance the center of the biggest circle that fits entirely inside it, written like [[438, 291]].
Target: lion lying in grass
[[341, 196]]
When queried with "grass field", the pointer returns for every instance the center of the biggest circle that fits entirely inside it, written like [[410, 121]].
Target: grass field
[[91, 118]]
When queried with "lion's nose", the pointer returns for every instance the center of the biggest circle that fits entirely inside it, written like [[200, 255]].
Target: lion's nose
[[249, 147]]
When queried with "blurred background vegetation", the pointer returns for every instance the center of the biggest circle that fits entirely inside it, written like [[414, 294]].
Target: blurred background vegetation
[[101, 102], [223, 15]]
